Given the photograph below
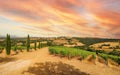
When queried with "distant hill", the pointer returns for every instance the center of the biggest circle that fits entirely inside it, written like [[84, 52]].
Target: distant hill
[[90, 41]]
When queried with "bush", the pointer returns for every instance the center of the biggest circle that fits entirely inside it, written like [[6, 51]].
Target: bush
[[15, 48], [105, 45], [114, 52], [49, 43]]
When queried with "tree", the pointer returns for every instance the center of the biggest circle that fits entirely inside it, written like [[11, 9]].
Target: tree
[[39, 45], [49, 43], [8, 45], [35, 43], [28, 43]]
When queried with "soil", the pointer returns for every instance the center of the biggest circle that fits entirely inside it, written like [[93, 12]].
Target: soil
[[40, 62]]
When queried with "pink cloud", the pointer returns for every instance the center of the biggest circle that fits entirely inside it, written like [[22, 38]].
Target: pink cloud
[[94, 18]]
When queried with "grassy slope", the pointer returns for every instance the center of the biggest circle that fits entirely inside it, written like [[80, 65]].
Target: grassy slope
[[65, 51]]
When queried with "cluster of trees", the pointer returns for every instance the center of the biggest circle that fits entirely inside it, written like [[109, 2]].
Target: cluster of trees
[[2, 43], [8, 45], [115, 52], [90, 41]]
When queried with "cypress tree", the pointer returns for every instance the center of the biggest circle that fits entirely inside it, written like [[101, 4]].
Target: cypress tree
[[8, 44], [39, 45], [28, 43], [35, 45]]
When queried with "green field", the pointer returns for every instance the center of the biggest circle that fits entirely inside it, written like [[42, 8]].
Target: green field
[[65, 51], [73, 52]]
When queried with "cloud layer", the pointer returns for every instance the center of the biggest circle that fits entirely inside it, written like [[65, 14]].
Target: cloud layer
[[84, 18]]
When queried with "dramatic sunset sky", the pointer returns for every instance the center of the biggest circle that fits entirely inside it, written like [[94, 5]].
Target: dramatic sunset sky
[[83, 18]]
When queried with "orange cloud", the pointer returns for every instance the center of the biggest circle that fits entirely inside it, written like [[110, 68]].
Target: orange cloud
[[87, 18]]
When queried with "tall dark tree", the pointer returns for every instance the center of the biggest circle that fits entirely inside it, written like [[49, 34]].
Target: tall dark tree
[[28, 43], [35, 44], [39, 45], [8, 44]]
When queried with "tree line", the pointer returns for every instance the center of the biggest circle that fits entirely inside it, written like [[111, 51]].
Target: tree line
[[90, 41], [8, 44]]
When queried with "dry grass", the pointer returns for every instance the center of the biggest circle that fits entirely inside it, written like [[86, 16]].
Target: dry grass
[[100, 61], [106, 48]]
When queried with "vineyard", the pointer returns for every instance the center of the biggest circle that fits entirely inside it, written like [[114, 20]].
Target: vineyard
[[74, 52]]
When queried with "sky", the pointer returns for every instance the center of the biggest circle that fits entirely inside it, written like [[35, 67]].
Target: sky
[[51, 18]]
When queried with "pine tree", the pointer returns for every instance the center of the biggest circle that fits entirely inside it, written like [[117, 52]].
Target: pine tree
[[8, 44], [28, 43], [35, 45]]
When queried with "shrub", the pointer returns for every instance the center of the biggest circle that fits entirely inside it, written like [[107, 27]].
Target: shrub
[[49, 43], [15, 48], [114, 52]]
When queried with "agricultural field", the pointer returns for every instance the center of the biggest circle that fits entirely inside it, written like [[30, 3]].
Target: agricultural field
[[27, 51], [106, 46], [74, 52]]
